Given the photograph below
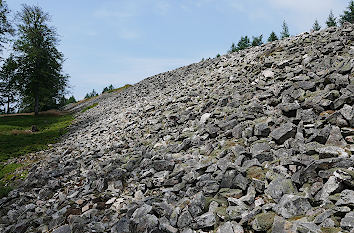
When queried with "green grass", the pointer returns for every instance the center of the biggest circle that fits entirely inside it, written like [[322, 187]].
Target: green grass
[[16, 138], [6, 174], [120, 88], [89, 107]]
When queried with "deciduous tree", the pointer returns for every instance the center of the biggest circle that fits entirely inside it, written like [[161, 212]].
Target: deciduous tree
[[40, 68], [8, 90], [6, 29]]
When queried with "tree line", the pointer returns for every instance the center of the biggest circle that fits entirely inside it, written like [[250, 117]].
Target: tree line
[[246, 42], [31, 77]]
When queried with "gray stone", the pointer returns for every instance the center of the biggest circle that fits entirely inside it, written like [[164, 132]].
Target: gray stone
[[331, 151], [347, 223], [184, 219], [240, 182], [235, 212], [284, 132], [63, 229], [278, 187], [346, 198], [292, 205], [261, 129], [140, 212], [206, 220], [259, 148]]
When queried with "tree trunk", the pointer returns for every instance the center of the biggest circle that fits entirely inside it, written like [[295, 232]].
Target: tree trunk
[[8, 105], [36, 105]]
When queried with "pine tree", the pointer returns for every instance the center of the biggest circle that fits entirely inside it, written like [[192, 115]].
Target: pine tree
[[105, 90], [258, 40], [40, 68], [316, 26], [285, 32], [348, 15], [272, 37], [71, 100], [243, 43], [331, 20], [233, 48]]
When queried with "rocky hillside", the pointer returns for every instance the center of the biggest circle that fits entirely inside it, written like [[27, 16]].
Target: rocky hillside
[[255, 141]]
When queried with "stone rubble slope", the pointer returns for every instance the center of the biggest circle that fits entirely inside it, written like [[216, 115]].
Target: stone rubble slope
[[255, 141]]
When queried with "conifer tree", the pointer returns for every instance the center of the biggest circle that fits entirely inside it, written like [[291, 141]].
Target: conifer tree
[[272, 37], [316, 26], [285, 31], [331, 20], [348, 15], [232, 49], [258, 40], [243, 43]]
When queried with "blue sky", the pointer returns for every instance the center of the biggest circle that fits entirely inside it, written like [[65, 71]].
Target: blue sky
[[119, 42]]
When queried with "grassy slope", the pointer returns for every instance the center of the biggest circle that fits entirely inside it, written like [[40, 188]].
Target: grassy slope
[[16, 139]]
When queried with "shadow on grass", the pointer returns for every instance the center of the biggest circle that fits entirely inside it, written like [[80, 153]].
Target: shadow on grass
[[16, 138]]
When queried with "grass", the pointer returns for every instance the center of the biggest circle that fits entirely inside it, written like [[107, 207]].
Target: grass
[[120, 88], [17, 139], [89, 107], [6, 173]]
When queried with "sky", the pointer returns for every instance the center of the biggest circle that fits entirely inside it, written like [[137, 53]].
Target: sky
[[124, 41]]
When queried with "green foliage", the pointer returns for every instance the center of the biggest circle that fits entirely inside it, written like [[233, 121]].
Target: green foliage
[[218, 55], [7, 169], [107, 89], [272, 37], [6, 174], [348, 15], [257, 41], [16, 138], [285, 32], [331, 20], [316, 26], [233, 48], [243, 43], [4, 190], [89, 107], [71, 100], [41, 79], [120, 88], [6, 29], [8, 90], [93, 93]]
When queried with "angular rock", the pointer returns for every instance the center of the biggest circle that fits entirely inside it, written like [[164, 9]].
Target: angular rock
[[284, 132], [292, 205]]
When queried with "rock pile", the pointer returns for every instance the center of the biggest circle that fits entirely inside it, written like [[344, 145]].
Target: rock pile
[[255, 141]]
